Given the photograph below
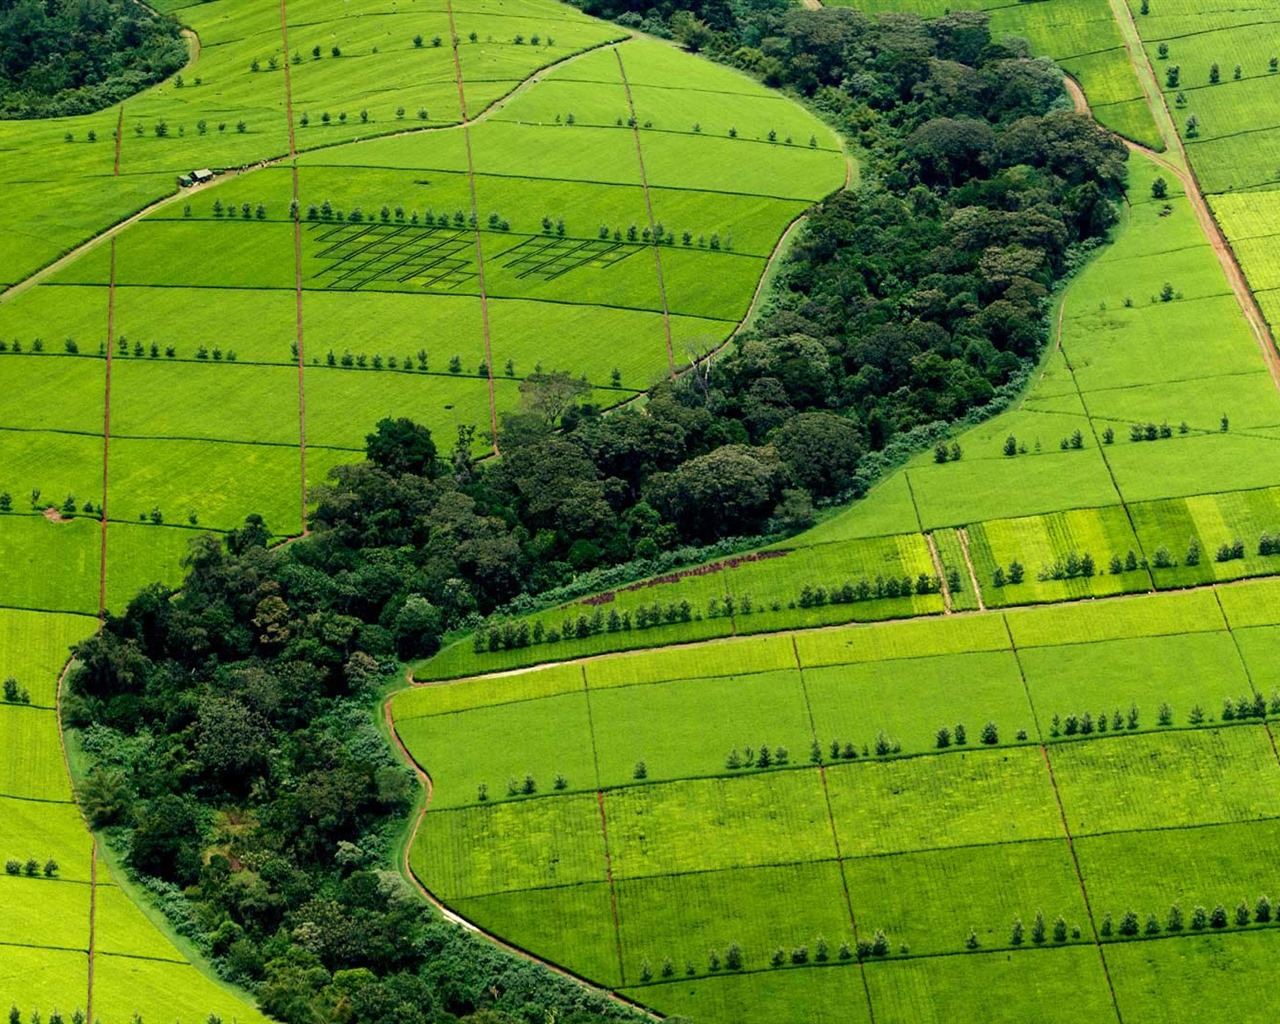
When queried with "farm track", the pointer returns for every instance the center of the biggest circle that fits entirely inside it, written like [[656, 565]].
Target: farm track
[[475, 222], [963, 534], [406, 870], [1186, 175], [297, 271], [648, 204], [106, 437], [939, 571]]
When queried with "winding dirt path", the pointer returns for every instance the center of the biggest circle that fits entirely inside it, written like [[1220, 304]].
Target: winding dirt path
[[1249, 307]]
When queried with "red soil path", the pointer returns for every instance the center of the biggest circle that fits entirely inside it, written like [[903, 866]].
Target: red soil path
[[106, 434], [297, 269], [648, 203], [475, 218]]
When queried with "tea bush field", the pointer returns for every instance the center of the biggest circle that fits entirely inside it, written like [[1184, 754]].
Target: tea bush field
[[933, 778], [1139, 458]]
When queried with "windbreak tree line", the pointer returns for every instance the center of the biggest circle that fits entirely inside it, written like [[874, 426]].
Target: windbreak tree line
[[65, 57]]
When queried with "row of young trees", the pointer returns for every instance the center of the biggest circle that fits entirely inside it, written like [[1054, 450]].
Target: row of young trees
[[1175, 921], [31, 867], [734, 959], [15, 692], [511, 634]]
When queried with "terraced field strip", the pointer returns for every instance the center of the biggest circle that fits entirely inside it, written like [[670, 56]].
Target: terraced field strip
[[648, 202]]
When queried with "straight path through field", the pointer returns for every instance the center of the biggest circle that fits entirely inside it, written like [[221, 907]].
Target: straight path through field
[[297, 271], [648, 204], [106, 435], [475, 226], [835, 833], [1066, 828]]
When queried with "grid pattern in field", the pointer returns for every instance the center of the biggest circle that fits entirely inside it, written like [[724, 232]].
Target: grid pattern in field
[[549, 258], [361, 255]]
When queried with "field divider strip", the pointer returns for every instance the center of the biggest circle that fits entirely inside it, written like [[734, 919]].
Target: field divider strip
[[938, 568], [106, 436], [116, 173], [1066, 828], [1097, 440], [604, 829], [648, 203], [93, 922], [1247, 673], [962, 533], [831, 820], [475, 226], [297, 270]]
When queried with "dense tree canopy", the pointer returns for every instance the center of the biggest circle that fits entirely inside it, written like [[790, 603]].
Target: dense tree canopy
[[60, 57]]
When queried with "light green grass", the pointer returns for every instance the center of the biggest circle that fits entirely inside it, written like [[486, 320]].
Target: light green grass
[[683, 917], [466, 749], [912, 698], [1195, 611], [536, 842], [687, 728], [1148, 872], [1101, 678], [1152, 977], [34, 647], [1042, 543], [1196, 777], [570, 925], [765, 818], [1054, 986], [930, 900], [788, 996], [956, 799]]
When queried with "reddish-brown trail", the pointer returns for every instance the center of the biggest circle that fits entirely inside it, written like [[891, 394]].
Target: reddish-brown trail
[[475, 220], [1249, 307], [424, 780], [297, 271], [648, 204]]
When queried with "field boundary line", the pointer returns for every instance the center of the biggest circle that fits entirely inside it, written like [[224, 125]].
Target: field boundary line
[[1062, 814], [1248, 674], [1093, 428], [648, 203], [115, 174], [297, 271], [475, 226], [936, 556], [93, 921], [106, 437], [962, 532], [604, 828], [831, 820], [406, 870]]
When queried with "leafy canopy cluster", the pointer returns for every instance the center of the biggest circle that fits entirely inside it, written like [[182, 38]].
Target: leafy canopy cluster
[[64, 57]]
